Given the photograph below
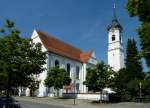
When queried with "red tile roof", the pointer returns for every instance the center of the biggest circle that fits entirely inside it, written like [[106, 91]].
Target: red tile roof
[[85, 56], [61, 48]]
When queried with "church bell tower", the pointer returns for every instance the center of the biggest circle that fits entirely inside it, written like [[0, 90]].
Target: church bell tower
[[115, 44]]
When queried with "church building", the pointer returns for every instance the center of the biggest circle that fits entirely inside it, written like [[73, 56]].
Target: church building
[[74, 60], [115, 44]]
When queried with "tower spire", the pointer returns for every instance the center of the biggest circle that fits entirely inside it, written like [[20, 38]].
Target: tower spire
[[115, 23], [114, 12], [115, 44]]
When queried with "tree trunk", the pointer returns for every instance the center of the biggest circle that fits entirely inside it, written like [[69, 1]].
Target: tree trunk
[[57, 92], [100, 99], [94, 91], [30, 94]]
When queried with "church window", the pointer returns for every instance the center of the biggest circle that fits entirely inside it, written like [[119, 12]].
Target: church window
[[113, 37], [77, 87], [77, 72], [120, 38], [56, 63], [68, 69]]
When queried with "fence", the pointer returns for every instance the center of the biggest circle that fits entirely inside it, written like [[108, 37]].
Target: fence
[[97, 96]]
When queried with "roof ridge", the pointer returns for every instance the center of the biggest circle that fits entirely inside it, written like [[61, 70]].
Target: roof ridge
[[62, 48], [51, 36]]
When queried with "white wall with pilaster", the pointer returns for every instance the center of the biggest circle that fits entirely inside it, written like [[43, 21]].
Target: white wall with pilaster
[[63, 61], [84, 88], [115, 49], [42, 89]]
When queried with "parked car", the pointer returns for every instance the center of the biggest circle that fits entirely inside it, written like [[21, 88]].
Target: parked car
[[11, 102]]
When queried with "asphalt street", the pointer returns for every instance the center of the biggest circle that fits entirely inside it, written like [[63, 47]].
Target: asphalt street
[[28, 104]]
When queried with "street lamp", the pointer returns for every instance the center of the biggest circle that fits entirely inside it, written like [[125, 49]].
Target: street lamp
[[140, 85], [74, 87]]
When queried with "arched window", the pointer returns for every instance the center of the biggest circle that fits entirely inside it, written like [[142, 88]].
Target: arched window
[[113, 37], [68, 69], [56, 63], [77, 72], [77, 87], [120, 38]]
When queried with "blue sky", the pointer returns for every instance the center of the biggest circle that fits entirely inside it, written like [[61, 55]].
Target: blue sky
[[81, 23]]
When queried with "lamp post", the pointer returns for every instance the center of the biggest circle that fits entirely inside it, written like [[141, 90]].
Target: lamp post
[[140, 85], [74, 87], [74, 100]]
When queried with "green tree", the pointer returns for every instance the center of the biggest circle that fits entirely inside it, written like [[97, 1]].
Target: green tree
[[146, 84], [134, 88], [99, 77], [121, 79], [141, 9], [147, 76], [133, 63], [57, 78], [91, 78], [20, 58], [121, 83], [128, 78], [105, 75], [33, 85]]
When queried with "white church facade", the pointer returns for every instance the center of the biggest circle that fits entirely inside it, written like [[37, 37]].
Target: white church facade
[[66, 56]]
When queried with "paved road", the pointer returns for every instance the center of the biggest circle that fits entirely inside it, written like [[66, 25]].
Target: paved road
[[28, 104]]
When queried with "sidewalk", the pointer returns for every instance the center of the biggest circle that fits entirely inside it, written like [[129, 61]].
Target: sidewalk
[[81, 103]]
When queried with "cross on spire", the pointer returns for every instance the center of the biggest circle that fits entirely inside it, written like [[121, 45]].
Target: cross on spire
[[114, 12], [115, 23], [114, 5]]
